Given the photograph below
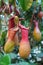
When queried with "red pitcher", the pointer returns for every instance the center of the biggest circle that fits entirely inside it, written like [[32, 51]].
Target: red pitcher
[[9, 45], [24, 49]]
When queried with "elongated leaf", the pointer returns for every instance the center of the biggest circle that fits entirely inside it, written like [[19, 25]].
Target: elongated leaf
[[25, 4]]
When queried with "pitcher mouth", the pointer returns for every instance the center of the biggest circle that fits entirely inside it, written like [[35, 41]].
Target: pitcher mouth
[[23, 27], [14, 29]]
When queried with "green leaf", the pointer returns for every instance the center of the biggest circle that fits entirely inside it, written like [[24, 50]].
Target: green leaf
[[11, 2], [4, 34], [24, 63], [40, 55], [3, 37], [25, 4], [6, 1], [21, 63], [5, 60], [33, 64], [42, 4]]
